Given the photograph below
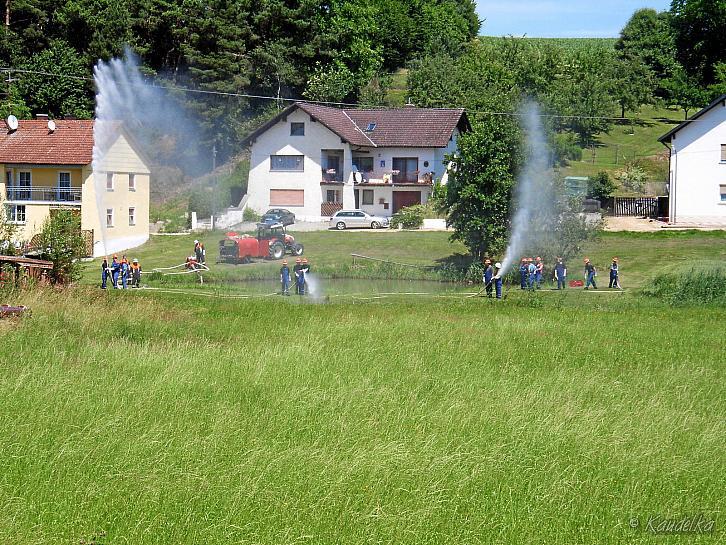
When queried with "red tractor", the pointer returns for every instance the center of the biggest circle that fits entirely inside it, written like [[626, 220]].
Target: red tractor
[[271, 242]]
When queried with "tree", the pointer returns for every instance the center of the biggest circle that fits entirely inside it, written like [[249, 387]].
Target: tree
[[700, 28], [62, 243], [649, 36], [479, 192], [633, 85], [56, 95], [685, 91]]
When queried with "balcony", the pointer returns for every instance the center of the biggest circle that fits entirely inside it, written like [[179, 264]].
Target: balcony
[[393, 177], [44, 194]]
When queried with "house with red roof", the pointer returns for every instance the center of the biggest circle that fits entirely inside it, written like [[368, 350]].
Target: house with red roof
[[49, 165], [315, 160]]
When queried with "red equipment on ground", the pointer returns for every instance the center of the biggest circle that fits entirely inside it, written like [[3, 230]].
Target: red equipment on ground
[[271, 242]]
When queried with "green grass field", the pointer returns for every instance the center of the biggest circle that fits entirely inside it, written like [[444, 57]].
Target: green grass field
[[151, 418]]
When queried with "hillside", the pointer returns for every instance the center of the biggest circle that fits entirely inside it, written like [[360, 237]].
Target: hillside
[[564, 43]]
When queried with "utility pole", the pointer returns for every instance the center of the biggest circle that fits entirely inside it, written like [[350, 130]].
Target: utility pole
[[7, 15], [215, 198]]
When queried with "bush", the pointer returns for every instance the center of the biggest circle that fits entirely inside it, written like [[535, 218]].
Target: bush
[[703, 283], [410, 217], [632, 177], [62, 243], [565, 148], [600, 186], [250, 215]]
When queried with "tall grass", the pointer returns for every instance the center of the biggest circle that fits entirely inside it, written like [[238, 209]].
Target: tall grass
[[701, 282], [152, 419]]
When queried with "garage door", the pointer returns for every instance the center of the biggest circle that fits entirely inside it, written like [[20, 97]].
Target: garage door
[[287, 197], [402, 199]]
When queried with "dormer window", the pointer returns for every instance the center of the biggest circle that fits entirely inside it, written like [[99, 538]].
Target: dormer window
[[371, 127]]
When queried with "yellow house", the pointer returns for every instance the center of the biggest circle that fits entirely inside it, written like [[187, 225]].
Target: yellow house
[[48, 165]]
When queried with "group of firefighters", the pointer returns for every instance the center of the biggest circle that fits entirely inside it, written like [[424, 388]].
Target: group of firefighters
[[300, 271], [531, 275], [121, 273]]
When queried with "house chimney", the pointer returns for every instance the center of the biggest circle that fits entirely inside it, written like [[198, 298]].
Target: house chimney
[[43, 117]]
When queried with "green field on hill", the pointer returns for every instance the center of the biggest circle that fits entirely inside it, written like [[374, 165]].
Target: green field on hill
[[160, 418]]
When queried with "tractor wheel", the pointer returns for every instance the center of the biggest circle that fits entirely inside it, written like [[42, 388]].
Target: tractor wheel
[[297, 249], [340, 226], [277, 250], [375, 225]]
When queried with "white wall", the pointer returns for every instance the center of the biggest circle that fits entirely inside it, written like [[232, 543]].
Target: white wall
[[440, 162], [697, 170], [278, 141]]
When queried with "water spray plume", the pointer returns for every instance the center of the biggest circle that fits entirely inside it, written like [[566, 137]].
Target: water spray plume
[[534, 193]]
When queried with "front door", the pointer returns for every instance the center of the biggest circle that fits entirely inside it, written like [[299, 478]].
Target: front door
[[401, 199]]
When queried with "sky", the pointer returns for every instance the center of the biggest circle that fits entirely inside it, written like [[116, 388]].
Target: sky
[[560, 18]]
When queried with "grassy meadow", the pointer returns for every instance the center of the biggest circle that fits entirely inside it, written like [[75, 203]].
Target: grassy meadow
[[153, 418]]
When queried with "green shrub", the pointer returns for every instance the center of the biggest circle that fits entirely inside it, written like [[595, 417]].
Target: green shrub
[[250, 215], [703, 282], [410, 217]]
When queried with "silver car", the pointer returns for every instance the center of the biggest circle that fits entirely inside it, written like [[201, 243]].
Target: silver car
[[344, 219]]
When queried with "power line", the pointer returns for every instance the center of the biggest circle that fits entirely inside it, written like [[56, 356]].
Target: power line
[[177, 88]]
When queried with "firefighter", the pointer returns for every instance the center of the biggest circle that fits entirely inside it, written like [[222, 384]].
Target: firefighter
[[523, 271], [590, 274], [488, 274], [614, 276], [135, 273], [285, 278], [306, 272], [115, 270], [299, 277], [199, 251], [125, 269], [498, 279], [532, 273], [539, 271], [560, 274], [105, 272]]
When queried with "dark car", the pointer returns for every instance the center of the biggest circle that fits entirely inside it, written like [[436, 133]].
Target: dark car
[[278, 215]]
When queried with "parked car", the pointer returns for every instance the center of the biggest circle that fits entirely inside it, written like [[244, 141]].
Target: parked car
[[278, 215], [344, 219]]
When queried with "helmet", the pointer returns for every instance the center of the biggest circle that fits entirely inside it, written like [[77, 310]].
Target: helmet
[[615, 259], [136, 260], [115, 256], [196, 242], [538, 258], [284, 261], [587, 260], [305, 260], [498, 265], [298, 260]]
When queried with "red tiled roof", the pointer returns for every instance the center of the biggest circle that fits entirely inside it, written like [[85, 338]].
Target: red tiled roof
[[403, 127], [32, 143]]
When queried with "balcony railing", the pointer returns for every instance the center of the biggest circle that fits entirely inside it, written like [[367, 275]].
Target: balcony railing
[[52, 194]]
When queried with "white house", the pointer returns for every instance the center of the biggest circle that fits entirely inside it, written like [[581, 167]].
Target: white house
[[698, 167], [315, 160]]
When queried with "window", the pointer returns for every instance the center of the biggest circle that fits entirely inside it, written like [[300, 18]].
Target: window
[[332, 195], [287, 197], [25, 183], [363, 164], [64, 186], [297, 129], [286, 162], [723, 192], [371, 127], [132, 217], [723, 153], [132, 182], [109, 181], [16, 213], [109, 217], [367, 196]]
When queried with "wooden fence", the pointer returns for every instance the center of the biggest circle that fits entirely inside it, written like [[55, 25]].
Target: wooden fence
[[330, 208], [635, 206]]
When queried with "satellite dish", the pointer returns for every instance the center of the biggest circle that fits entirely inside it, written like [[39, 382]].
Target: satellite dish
[[51, 125], [12, 122]]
